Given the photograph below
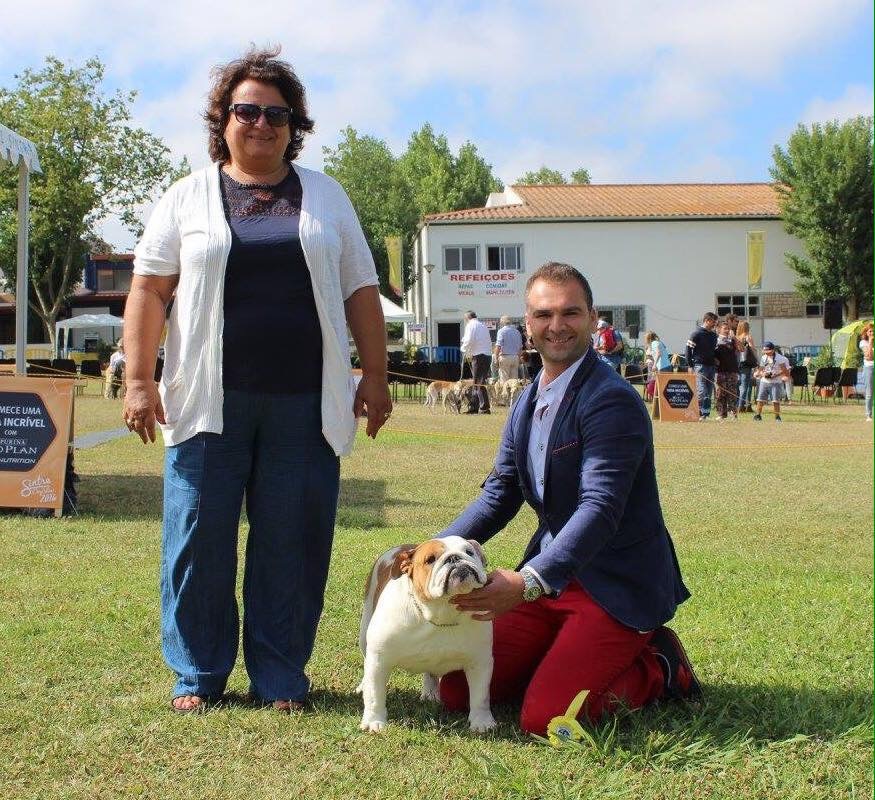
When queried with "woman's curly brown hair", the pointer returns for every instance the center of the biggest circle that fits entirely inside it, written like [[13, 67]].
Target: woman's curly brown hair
[[257, 65]]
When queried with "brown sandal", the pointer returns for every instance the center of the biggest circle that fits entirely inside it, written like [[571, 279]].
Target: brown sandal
[[287, 706], [198, 704], [283, 706]]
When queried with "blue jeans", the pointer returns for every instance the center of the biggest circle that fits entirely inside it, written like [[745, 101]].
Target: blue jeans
[[867, 383], [744, 387], [704, 387], [273, 451]]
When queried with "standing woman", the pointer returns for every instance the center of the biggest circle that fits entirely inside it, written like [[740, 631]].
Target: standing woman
[[747, 360], [259, 252], [657, 350], [866, 346]]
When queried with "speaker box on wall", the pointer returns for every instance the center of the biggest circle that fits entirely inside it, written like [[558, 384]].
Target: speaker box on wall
[[633, 331], [833, 311]]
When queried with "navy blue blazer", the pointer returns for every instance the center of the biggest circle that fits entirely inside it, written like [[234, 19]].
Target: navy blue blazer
[[601, 501]]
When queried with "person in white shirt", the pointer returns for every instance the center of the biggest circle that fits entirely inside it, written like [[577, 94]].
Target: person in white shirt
[[238, 418], [477, 346], [771, 372]]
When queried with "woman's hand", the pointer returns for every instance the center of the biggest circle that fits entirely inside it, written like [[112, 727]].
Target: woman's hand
[[142, 407], [372, 397]]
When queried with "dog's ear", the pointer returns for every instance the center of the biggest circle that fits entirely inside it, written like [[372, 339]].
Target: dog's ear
[[480, 552], [403, 562]]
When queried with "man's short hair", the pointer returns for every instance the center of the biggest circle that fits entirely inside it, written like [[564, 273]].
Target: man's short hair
[[505, 320], [557, 272], [470, 315], [709, 316]]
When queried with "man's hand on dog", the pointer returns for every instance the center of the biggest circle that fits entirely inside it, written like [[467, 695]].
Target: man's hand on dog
[[502, 592]]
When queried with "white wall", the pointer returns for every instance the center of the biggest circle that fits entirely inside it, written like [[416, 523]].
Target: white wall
[[672, 268]]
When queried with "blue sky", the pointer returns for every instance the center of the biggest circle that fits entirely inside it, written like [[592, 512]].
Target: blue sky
[[634, 91]]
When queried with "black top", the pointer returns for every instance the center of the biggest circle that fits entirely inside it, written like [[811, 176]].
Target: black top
[[726, 357], [272, 341], [704, 344]]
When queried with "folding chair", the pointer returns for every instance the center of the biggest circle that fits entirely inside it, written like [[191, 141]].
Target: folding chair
[[847, 379], [799, 376], [825, 378]]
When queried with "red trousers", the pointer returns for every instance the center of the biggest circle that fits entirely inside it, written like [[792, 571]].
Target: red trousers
[[548, 650]]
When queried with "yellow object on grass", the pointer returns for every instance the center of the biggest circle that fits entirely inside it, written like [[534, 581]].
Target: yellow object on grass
[[566, 728]]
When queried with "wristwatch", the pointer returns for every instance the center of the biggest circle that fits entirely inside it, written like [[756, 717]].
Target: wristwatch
[[532, 589]]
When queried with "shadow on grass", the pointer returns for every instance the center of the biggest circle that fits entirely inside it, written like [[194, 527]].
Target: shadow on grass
[[759, 715], [362, 503]]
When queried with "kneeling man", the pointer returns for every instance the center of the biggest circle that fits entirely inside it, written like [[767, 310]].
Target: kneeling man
[[587, 605]]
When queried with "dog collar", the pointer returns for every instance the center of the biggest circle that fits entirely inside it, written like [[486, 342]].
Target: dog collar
[[430, 622]]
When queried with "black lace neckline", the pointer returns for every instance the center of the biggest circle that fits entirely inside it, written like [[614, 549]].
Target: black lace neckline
[[269, 186]]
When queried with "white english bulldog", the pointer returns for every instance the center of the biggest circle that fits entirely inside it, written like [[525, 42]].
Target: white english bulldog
[[409, 622]]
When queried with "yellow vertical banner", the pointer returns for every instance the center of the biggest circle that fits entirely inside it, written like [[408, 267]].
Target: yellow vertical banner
[[756, 242], [393, 249]]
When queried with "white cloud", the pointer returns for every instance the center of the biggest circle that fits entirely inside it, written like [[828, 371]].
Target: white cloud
[[856, 100], [561, 83]]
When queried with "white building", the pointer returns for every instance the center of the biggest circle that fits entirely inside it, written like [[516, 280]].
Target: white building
[[657, 256]]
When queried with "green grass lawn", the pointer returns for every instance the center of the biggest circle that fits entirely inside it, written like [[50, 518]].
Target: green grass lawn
[[773, 526]]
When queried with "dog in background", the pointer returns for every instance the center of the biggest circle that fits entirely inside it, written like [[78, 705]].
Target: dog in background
[[409, 622], [443, 392]]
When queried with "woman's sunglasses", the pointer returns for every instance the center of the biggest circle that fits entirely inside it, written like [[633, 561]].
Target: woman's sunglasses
[[249, 113]]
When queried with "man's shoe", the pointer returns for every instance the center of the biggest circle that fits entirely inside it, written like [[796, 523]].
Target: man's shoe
[[485, 411], [471, 411], [758, 417], [681, 682], [777, 418]]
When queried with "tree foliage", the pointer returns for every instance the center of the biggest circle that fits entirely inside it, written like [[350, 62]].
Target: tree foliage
[[391, 195], [382, 198], [95, 164], [545, 176], [825, 183]]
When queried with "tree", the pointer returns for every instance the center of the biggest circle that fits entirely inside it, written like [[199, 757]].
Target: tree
[[95, 164], [473, 177], [390, 195], [542, 177], [382, 198], [825, 185], [546, 176]]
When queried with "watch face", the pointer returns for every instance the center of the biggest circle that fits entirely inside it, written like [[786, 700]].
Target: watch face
[[531, 593]]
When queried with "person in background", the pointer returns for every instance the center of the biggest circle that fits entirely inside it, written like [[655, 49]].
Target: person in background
[[477, 346], [726, 379], [747, 360], [866, 347], [700, 355], [608, 344], [732, 321], [771, 372], [656, 349], [115, 372], [258, 251], [508, 345]]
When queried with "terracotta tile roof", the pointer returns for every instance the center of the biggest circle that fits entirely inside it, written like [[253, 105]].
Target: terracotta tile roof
[[628, 201]]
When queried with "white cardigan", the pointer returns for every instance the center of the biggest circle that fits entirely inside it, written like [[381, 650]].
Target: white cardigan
[[188, 235]]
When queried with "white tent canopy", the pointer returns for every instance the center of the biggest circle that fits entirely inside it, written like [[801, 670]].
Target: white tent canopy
[[21, 153], [92, 321], [394, 313]]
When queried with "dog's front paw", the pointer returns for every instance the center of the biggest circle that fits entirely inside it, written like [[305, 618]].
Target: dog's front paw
[[372, 724], [481, 721]]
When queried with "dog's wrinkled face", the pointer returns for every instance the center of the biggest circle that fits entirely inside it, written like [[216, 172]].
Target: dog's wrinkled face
[[444, 567]]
